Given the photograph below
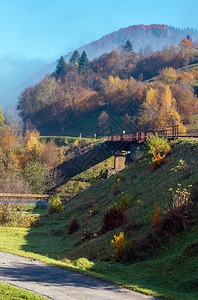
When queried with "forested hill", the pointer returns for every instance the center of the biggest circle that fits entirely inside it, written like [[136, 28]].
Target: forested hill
[[110, 94], [145, 38]]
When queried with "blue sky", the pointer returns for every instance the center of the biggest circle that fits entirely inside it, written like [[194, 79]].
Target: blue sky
[[36, 32]]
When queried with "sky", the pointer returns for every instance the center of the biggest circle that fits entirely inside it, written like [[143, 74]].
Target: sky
[[37, 32]]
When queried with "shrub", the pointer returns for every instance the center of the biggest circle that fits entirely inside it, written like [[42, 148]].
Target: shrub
[[114, 217], [157, 161], [118, 245], [122, 248], [5, 214], [115, 188], [55, 205], [73, 225], [157, 145], [12, 215]]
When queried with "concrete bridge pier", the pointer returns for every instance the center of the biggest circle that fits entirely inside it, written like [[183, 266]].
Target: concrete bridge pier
[[121, 158], [119, 161]]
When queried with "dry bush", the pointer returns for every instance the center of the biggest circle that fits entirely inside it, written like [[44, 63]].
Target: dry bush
[[176, 220], [157, 161], [20, 186], [156, 215], [12, 215], [73, 225], [50, 154], [114, 217]]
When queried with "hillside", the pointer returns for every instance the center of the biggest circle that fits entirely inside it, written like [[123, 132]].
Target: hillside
[[145, 39], [161, 261], [112, 93]]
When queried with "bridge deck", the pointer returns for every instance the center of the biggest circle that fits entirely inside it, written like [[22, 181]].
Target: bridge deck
[[140, 137]]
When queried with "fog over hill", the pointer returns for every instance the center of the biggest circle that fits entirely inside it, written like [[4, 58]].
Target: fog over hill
[[145, 38]]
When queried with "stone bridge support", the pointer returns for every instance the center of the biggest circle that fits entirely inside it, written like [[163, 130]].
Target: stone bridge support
[[119, 161]]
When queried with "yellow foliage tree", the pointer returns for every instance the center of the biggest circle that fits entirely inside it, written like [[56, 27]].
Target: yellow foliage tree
[[152, 98], [168, 114], [34, 148]]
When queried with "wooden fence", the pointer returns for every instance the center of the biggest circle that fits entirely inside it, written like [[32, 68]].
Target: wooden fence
[[28, 197]]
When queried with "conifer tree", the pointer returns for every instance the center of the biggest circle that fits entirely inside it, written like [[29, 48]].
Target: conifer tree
[[188, 37], [75, 57], [60, 68], [128, 47], [83, 63]]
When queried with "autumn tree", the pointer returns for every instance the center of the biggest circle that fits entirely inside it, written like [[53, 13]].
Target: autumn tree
[[50, 154], [7, 139], [168, 75], [186, 44], [186, 101], [2, 119], [168, 114], [34, 147]]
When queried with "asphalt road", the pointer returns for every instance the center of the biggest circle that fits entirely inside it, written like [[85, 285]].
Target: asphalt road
[[58, 284]]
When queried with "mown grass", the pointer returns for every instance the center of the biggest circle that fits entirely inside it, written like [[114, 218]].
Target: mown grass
[[8, 292], [172, 269]]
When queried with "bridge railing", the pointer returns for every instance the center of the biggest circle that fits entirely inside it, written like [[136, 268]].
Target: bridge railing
[[171, 132]]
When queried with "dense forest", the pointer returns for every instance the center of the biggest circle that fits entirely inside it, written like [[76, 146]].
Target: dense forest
[[119, 82]]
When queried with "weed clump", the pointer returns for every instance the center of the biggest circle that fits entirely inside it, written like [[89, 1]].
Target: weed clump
[[116, 186], [83, 263], [55, 205]]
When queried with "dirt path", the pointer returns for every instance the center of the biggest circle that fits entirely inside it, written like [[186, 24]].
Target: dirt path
[[59, 284]]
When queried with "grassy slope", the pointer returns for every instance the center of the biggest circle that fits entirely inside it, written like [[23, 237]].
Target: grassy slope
[[8, 292], [84, 180], [171, 272]]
